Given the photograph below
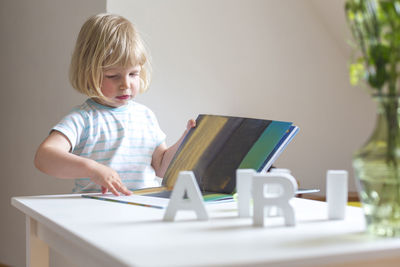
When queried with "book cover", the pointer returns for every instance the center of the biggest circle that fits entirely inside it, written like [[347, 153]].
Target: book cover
[[219, 145]]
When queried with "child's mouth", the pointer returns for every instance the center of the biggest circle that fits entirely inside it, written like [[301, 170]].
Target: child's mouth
[[123, 97]]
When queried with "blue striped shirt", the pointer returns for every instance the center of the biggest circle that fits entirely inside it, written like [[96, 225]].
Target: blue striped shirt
[[122, 138]]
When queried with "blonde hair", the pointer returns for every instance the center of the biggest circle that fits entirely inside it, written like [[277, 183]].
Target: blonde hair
[[104, 41]]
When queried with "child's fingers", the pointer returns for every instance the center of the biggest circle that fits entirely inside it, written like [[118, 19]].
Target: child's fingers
[[124, 190], [191, 124], [104, 190], [111, 187], [120, 187]]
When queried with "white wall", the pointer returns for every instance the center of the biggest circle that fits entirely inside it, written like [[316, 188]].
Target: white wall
[[37, 38], [283, 60]]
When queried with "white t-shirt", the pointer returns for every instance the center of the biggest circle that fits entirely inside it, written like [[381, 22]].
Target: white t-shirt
[[122, 138]]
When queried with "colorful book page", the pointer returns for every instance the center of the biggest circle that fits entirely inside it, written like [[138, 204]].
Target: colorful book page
[[219, 145]]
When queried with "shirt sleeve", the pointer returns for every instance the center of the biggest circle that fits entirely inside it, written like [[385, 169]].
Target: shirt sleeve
[[73, 127]]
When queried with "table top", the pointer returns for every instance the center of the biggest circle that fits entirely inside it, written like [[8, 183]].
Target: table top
[[128, 235]]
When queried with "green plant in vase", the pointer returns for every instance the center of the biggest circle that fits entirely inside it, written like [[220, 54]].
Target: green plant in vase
[[375, 26]]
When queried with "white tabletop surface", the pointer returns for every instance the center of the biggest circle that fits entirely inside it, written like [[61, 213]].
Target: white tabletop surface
[[127, 235]]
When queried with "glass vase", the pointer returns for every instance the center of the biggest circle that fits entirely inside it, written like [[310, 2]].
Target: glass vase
[[376, 165]]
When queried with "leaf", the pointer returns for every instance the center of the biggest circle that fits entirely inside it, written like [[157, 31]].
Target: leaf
[[375, 26], [357, 72]]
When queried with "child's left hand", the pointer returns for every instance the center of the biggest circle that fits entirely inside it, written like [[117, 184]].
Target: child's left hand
[[190, 124]]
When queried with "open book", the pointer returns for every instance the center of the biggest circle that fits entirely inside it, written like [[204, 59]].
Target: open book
[[219, 145]]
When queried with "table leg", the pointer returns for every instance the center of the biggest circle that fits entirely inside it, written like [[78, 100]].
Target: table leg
[[37, 251]]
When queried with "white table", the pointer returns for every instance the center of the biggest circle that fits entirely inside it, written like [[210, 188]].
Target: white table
[[92, 232]]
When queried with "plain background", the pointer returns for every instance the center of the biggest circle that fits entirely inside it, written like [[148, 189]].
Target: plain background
[[272, 59]]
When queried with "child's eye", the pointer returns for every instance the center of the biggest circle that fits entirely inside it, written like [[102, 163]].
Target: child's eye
[[112, 76], [134, 74]]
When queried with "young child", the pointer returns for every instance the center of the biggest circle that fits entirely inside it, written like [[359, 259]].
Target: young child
[[110, 142]]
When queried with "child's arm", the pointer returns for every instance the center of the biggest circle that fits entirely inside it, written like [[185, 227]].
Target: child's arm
[[162, 156], [53, 158]]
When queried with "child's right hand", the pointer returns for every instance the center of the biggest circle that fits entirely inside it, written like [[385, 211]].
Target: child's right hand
[[108, 179], [53, 157]]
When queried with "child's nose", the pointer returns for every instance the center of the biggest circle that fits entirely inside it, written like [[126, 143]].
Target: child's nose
[[125, 84]]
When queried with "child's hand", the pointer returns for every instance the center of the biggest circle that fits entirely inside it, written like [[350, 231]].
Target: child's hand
[[108, 179], [190, 124]]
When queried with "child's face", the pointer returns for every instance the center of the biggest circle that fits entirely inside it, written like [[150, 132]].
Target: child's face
[[120, 84]]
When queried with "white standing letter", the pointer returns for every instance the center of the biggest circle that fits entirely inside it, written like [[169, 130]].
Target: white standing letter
[[186, 183], [336, 193], [244, 179], [288, 186]]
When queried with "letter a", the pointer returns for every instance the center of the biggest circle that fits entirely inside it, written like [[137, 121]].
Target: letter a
[[186, 183]]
